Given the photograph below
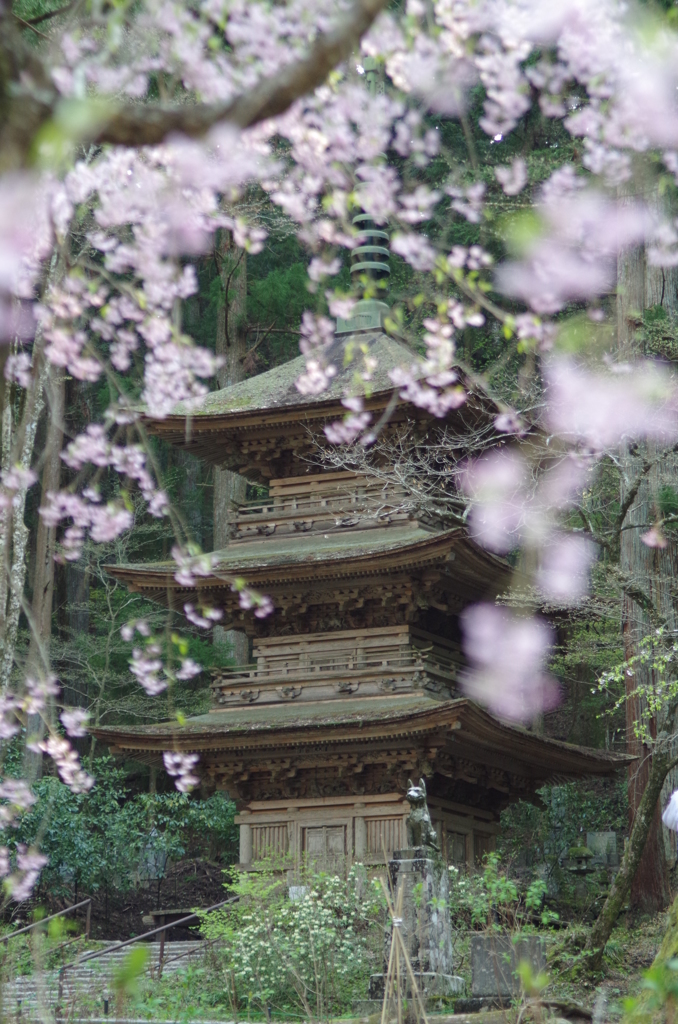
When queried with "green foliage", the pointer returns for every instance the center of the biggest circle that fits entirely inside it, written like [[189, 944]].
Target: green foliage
[[126, 978], [657, 693], [313, 953], [108, 838], [532, 984], [667, 501], [277, 303], [566, 815], [492, 899], [660, 991], [658, 333]]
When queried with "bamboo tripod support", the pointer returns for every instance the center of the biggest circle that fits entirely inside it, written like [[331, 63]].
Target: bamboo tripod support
[[393, 988]]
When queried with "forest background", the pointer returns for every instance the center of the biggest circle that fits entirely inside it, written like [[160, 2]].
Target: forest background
[[248, 308], [252, 305]]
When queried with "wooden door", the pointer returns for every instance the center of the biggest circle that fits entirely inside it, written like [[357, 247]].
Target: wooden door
[[325, 847]]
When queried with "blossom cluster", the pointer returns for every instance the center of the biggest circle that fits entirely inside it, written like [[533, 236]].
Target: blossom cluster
[[180, 767]]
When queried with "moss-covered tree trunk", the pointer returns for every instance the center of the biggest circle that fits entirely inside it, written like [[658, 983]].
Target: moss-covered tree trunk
[[231, 346], [660, 765]]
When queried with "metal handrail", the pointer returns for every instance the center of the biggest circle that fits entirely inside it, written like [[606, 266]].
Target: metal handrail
[[145, 935], [44, 920]]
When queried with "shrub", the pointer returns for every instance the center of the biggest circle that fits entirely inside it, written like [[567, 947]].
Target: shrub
[[313, 953]]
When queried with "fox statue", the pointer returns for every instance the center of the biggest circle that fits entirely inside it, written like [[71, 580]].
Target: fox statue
[[420, 830]]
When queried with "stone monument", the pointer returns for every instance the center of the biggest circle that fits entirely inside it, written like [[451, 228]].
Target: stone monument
[[426, 931]]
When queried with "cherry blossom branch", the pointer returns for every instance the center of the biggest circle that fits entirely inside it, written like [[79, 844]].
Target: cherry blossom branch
[[149, 124]]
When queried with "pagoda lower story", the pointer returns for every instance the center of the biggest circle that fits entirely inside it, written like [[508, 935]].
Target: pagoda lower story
[[316, 742], [352, 688]]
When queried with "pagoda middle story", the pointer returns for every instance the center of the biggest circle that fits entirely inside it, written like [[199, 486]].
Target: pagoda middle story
[[352, 688]]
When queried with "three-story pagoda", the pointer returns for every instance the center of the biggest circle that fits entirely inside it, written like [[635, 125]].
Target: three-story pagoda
[[353, 683]]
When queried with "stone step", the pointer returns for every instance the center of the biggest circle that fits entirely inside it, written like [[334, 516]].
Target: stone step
[[94, 977]]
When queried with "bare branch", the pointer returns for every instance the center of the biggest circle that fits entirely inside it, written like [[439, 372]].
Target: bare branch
[[636, 593], [49, 14], [590, 529], [632, 493], [30, 25]]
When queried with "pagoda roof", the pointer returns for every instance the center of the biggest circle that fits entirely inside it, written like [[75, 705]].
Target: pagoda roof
[[461, 728], [262, 427], [273, 552], [276, 388], [337, 553]]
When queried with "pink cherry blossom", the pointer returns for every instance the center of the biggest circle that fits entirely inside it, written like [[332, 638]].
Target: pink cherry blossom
[[189, 669], [74, 721], [512, 179], [146, 665], [415, 249], [506, 655], [29, 865], [654, 538], [319, 268], [191, 564], [497, 484], [67, 763], [37, 691], [180, 767], [509, 423], [204, 619], [565, 564], [18, 796], [18, 368], [602, 407]]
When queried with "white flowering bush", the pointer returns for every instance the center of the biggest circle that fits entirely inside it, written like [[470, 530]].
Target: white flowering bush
[[314, 952]]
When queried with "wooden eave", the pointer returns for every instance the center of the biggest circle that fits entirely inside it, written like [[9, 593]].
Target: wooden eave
[[475, 564], [181, 429], [456, 729], [207, 435]]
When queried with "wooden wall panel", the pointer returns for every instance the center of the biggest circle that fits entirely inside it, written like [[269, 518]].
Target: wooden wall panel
[[269, 841], [384, 833]]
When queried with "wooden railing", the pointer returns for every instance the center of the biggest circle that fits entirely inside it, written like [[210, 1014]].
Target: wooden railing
[[338, 663]]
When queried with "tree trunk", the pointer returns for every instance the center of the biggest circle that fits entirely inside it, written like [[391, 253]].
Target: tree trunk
[[229, 488], [43, 587], [643, 826], [18, 443], [15, 532], [43, 583], [651, 571]]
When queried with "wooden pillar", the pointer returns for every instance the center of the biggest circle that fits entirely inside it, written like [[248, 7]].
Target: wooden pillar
[[470, 859], [245, 844], [360, 842]]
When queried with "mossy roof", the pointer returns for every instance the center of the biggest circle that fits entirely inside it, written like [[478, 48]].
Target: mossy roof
[[472, 732], [277, 388], [297, 549], [266, 717]]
